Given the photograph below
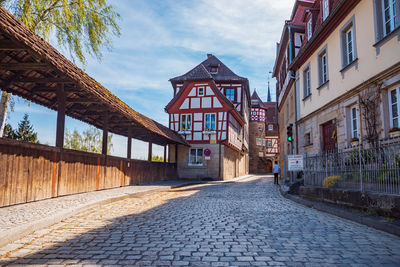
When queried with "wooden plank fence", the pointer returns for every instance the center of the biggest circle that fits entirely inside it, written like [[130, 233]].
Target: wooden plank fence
[[30, 172]]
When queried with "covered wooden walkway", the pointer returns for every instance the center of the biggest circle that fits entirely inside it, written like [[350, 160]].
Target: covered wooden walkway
[[34, 70]]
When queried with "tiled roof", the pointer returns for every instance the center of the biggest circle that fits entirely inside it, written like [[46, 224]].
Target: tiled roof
[[203, 71], [256, 102]]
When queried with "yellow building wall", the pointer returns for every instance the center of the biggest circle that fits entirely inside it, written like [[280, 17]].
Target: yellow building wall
[[369, 63]]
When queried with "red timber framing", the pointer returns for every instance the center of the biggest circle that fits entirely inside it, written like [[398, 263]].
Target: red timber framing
[[197, 100], [272, 145], [34, 70]]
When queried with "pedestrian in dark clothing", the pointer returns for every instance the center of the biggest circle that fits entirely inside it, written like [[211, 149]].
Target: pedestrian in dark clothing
[[276, 172]]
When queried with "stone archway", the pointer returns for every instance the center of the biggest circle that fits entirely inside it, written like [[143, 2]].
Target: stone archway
[[269, 166]]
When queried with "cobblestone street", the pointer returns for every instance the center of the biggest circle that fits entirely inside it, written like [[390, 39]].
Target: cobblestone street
[[231, 224]]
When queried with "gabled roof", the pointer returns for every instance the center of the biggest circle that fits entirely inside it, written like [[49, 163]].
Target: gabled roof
[[203, 71], [271, 112], [256, 102]]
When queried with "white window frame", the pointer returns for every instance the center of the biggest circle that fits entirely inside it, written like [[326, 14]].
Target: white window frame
[[309, 28], [325, 9], [354, 123], [196, 157], [270, 127], [306, 82], [198, 91], [208, 128], [392, 16], [348, 42], [397, 104], [187, 123]]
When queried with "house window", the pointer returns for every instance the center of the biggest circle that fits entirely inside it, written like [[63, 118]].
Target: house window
[[389, 16], [309, 28], [325, 10], [186, 122], [269, 143], [260, 128], [200, 91], [306, 82], [230, 94], [394, 108], [307, 139], [348, 40], [270, 127], [214, 69], [349, 46], [354, 123], [209, 124], [196, 157], [323, 67]]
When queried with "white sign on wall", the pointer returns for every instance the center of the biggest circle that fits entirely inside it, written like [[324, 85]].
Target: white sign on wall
[[295, 163]]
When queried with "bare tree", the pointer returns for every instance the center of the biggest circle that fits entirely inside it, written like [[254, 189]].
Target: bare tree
[[370, 101]]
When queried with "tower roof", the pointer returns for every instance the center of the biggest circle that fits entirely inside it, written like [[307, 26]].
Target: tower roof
[[256, 102]]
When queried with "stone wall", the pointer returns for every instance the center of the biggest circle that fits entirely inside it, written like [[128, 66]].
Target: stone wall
[[387, 205], [235, 163], [257, 130]]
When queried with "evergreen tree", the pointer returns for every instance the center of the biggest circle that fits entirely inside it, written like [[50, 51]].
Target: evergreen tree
[[9, 132], [25, 131]]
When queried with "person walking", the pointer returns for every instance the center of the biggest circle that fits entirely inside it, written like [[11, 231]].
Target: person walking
[[276, 172]]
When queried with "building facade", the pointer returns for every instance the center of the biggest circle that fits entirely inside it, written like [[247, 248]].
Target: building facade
[[346, 74], [210, 109], [292, 38], [264, 139]]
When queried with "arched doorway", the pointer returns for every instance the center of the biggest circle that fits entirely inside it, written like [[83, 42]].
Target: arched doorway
[[269, 166]]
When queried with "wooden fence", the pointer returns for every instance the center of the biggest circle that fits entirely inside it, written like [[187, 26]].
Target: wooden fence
[[30, 172]]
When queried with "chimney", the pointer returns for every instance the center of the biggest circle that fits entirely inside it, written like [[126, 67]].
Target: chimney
[[209, 55]]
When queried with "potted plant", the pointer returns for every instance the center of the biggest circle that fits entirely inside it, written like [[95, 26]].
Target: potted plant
[[354, 141], [394, 132]]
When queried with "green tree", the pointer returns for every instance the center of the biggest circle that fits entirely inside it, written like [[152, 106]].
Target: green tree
[[89, 141], [9, 132], [78, 25], [24, 132]]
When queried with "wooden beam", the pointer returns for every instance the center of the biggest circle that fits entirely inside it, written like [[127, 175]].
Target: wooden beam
[[81, 101], [60, 116], [24, 66], [165, 153], [10, 45], [149, 157], [129, 148], [176, 153], [44, 80], [105, 135]]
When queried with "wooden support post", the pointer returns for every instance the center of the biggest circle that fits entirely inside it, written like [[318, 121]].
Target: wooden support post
[[150, 151], [129, 148], [165, 153], [176, 153], [60, 116], [105, 135]]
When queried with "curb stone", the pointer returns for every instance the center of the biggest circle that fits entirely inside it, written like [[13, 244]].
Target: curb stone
[[10, 235], [343, 213]]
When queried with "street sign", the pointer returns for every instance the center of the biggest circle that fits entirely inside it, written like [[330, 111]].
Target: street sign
[[207, 152], [295, 163]]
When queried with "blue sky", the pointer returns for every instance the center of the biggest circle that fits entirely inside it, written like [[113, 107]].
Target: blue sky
[[161, 39]]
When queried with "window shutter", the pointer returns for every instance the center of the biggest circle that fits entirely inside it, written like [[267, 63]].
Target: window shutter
[[378, 20]]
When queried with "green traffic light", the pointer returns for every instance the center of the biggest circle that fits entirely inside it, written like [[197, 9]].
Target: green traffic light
[[290, 139]]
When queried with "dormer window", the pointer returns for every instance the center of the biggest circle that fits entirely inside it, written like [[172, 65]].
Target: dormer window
[[200, 91], [325, 9], [309, 29], [213, 69]]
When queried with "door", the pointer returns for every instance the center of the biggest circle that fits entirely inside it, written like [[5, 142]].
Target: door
[[329, 136]]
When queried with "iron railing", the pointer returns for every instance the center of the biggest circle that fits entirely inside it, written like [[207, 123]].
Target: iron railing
[[375, 170]]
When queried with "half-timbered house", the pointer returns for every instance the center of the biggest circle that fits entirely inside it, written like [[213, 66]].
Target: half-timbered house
[[210, 109], [264, 139]]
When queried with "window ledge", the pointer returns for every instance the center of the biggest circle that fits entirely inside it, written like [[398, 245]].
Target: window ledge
[[195, 165], [210, 132], [387, 37], [308, 96], [349, 65], [184, 132], [323, 85], [308, 145]]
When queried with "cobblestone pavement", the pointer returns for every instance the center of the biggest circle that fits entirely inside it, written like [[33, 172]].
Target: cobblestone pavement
[[232, 224]]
